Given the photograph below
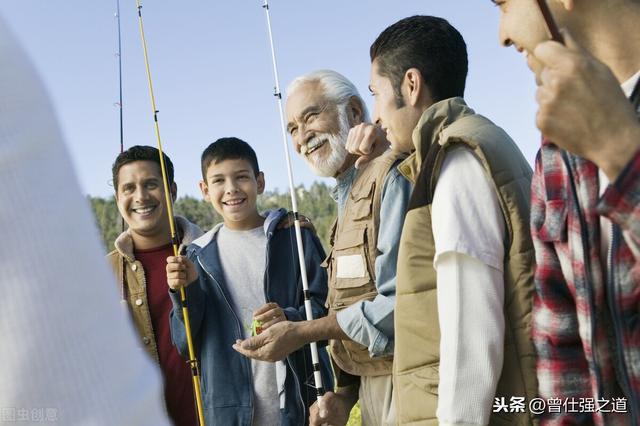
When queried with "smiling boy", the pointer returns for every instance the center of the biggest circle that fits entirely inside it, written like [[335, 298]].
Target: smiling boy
[[240, 269]]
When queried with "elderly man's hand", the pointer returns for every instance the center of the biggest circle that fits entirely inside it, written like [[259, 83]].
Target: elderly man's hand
[[582, 108], [334, 410], [366, 141], [269, 315], [273, 344]]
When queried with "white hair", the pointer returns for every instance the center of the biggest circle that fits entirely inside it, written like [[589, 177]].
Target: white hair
[[336, 87]]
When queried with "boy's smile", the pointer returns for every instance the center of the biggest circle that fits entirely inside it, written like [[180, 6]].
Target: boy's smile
[[232, 188]]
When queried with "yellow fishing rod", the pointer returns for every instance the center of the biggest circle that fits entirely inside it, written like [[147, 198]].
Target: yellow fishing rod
[[193, 362]]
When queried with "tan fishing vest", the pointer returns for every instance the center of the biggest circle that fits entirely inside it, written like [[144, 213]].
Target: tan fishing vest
[[351, 263], [445, 125]]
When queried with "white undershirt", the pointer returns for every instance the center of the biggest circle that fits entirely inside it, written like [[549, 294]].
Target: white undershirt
[[243, 259], [605, 223], [468, 228]]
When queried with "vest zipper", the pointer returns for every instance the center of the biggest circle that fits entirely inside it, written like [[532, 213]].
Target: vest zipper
[[617, 327]]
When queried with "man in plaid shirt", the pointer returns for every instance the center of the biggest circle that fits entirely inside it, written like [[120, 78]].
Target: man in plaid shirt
[[585, 216]]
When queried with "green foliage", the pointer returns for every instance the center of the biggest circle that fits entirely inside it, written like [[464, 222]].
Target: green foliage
[[108, 219], [355, 418], [315, 203]]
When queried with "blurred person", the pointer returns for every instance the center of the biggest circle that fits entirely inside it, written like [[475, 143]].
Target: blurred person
[[69, 356], [585, 219]]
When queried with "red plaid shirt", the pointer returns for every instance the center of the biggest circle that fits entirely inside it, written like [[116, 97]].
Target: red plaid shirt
[[586, 324]]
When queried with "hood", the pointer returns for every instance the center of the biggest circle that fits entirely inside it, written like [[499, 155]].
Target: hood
[[190, 232], [272, 218]]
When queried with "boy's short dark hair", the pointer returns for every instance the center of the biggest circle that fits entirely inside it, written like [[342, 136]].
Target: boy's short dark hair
[[228, 149], [140, 153], [429, 44]]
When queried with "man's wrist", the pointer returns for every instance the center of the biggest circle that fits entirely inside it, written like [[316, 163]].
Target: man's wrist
[[324, 328], [620, 152]]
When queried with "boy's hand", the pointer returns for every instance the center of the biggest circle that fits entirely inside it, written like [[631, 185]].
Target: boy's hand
[[269, 314], [582, 108], [180, 272], [334, 410], [367, 141]]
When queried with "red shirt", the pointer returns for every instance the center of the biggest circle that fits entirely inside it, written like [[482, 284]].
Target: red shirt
[[178, 383]]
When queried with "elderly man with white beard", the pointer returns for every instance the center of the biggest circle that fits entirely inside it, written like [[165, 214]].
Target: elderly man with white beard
[[323, 107]]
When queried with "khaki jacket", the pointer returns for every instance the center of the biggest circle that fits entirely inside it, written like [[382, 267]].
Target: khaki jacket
[[133, 290]]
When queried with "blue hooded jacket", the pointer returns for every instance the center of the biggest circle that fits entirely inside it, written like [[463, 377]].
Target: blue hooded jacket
[[226, 377]]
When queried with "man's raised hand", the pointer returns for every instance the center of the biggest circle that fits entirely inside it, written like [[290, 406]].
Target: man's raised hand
[[367, 141]]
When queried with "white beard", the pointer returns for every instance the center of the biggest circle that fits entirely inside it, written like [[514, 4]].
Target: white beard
[[329, 165]]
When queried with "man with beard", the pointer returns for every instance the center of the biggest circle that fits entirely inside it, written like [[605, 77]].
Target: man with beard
[[321, 109], [585, 219]]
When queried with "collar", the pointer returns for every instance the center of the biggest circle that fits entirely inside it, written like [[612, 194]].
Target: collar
[[630, 84], [344, 179], [189, 231], [432, 123], [272, 218]]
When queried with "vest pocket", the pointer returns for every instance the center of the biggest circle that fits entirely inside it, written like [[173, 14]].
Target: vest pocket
[[350, 257], [426, 378], [362, 201]]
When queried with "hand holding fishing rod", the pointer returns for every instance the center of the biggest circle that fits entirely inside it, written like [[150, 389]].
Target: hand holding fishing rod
[[575, 90], [193, 362]]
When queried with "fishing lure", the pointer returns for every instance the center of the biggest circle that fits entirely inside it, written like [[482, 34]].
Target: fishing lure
[[254, 328]]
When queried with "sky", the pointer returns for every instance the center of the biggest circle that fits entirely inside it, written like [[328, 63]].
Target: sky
[[212, 73]]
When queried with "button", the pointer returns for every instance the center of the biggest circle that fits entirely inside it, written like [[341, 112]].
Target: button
[[134, 267], [146, 340], [138, 302]]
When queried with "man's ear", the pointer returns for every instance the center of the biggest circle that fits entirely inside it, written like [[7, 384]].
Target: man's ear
[[415, 89], [174, 192], [204, 188], [354, 111], [260, 181]]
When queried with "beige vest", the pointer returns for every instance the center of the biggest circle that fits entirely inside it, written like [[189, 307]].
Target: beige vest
[[447, 124], [351, 263]]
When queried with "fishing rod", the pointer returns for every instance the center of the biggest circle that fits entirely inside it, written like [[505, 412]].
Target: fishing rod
[[550, 22], [294, 207], [193, 362], [123, 290], [119, 54]]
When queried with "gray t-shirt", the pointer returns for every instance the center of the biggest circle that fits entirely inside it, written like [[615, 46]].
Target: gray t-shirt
[[243, 258]]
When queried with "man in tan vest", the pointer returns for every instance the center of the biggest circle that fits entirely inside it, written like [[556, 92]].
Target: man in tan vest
[[321, 109], [463, 351]]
